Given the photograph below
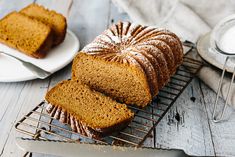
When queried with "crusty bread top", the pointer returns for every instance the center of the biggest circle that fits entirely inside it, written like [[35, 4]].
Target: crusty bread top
[[21, 32], [55, 20], [134, 44], [92, 108]]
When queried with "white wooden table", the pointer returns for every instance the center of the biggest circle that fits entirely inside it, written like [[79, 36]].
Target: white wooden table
[[197, 136]]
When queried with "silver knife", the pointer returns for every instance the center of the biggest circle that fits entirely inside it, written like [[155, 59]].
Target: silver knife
[[75, 149]]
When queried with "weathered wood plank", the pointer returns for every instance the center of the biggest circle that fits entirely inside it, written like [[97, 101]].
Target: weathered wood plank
[[222, 133], [14, 5], [21, 103], [198, 135], [88, 19], [60, 6], [190, 132], [22, 98]]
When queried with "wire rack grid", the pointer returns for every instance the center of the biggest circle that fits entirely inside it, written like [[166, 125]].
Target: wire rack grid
[[40, 125]]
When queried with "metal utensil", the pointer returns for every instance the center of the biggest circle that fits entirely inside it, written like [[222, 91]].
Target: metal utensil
[[39, 72], [215, 119], [75, 149], [217, 35]]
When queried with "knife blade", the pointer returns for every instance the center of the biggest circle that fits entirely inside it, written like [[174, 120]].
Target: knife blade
[[75, 149]]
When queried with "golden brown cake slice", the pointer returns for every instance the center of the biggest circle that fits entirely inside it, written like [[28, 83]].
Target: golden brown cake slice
[[125, 82], [28, 35], [92, 111], [55, 20]]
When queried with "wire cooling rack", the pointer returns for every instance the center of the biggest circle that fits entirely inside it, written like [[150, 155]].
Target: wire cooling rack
[[40, 125]]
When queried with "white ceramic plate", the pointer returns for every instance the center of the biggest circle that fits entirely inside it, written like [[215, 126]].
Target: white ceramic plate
[[12, 70], [211, 55]]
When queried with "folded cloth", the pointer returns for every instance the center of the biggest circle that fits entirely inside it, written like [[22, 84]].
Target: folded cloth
[[189, 19]]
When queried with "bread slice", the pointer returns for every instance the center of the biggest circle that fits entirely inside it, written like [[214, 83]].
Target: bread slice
[[28, 35], [93, 110], [126, 83], [55, 20]]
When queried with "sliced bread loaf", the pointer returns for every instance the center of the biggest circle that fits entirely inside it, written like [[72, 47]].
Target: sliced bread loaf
[[30, 36], [55, 20], [89, 109], [120, 81]]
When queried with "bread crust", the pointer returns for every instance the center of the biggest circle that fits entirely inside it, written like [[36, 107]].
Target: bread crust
[[81, 128], [45, 47]]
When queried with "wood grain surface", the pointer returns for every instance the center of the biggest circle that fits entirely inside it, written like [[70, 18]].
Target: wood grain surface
[[193, 130]]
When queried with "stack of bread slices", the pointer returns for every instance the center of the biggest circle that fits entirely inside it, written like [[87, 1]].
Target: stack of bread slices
[[34, 30]]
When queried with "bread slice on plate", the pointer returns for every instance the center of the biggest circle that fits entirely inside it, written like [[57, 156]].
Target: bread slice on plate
[[55, 20], [29, 36], [87, 111]]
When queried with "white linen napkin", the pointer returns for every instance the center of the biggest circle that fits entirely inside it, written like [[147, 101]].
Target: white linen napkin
[[188, 19]]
